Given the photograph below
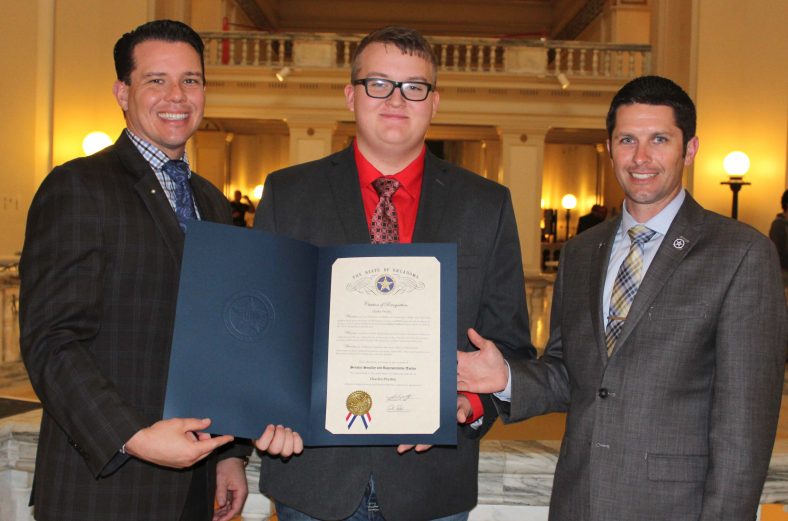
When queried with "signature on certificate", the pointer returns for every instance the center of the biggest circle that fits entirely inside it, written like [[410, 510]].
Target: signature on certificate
[[398, 397]]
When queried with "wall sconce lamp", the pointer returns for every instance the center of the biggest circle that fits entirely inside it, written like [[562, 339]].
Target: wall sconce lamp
[[258, 192], [563, 80], [283, 73], [568, 202], [735, 164], [95, 141]]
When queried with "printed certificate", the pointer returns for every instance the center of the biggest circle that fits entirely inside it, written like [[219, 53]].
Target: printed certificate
[[348, 345], [384, 346]]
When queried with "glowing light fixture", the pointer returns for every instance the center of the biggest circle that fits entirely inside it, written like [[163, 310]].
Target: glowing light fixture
[[735, 164], [283, 73], [95, 141], [563, 80], [568, 202], [258, 192]]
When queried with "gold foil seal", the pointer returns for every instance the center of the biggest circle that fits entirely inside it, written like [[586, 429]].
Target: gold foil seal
[[358, 403]]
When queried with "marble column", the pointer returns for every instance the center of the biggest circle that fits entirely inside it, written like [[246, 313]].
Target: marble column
[[310, 139], [521, 171]]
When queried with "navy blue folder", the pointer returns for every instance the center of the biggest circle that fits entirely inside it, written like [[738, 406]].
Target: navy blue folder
[[250, 344]]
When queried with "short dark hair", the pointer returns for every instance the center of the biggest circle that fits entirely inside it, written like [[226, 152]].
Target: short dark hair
[[656, 90], [784, 200], [164, 30], [409, 41]]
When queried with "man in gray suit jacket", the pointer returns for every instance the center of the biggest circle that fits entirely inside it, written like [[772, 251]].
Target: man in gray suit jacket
[[99, 271], [672, 403], [331, 201]]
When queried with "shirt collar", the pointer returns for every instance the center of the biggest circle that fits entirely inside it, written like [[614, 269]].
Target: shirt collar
[[409, 177], [661, 222], [155, 157]]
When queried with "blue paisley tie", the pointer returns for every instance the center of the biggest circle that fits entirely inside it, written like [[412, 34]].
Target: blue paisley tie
[[178, 171]]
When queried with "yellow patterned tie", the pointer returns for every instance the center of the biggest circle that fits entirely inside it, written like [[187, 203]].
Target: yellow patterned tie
[[626, 284]]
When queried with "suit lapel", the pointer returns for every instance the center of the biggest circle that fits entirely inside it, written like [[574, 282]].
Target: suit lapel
[[346, 193], [204, 206], [600, 258], [435, 189], [681, 238], [152, 195]]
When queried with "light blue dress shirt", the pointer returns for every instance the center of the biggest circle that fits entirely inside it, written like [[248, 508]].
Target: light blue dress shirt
[[621, 244], [660, 223]]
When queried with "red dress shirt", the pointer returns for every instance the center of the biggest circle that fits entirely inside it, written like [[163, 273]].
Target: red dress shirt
[[406, 201]]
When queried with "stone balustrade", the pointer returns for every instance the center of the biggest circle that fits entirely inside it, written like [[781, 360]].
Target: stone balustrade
[[9, 311], [539, 58]]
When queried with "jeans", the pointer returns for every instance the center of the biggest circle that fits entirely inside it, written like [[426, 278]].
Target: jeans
[[368, 510]]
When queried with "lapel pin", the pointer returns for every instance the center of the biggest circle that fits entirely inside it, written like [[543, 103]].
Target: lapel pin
[[680, 243]]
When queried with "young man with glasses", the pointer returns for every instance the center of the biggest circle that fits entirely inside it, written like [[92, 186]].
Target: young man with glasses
[[335, 201]]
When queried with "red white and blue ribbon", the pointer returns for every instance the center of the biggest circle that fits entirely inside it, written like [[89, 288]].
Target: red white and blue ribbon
[[365, 418]]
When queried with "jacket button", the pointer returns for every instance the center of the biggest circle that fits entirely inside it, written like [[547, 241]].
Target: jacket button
[[603, 393]]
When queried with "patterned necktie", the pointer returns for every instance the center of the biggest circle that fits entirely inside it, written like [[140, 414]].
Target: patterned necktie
[[384, 226], [178, 171], [626, 284]]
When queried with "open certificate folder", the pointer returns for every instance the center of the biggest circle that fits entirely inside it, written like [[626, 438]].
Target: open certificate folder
[[348, 345]]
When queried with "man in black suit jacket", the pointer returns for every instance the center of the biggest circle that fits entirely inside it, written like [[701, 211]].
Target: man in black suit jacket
[[99, 270], [330, 201], [597, 216]]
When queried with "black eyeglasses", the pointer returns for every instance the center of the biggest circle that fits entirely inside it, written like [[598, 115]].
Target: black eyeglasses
[[381, 88]]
